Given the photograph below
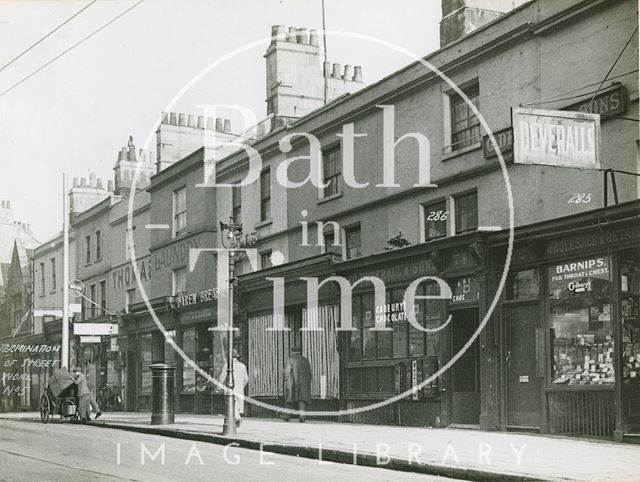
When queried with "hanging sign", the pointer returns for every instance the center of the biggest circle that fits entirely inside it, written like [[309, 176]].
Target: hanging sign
[[556, 138]]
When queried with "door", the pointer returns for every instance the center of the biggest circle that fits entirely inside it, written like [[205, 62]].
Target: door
[[523, 386], [465, 373]]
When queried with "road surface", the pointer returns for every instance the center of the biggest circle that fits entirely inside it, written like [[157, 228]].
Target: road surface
[[62, 451]]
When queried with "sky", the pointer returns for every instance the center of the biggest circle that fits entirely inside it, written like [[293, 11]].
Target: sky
[[75, 114]]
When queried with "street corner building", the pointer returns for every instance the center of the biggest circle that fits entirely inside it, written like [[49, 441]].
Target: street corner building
[[552, 303]]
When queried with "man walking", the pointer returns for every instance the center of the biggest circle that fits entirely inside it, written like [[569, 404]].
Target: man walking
[[85, 399], [240, 380], [297, 383]]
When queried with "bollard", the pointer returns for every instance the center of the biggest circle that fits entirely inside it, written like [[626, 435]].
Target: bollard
[[162, 377]]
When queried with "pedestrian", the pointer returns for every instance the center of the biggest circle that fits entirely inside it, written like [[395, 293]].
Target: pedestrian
[[85, 400], [240, 380], [297, 383]]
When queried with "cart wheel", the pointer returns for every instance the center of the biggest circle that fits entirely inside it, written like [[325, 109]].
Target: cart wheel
[[44, 409]]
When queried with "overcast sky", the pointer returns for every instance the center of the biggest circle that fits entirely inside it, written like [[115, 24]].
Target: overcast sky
[[76, 114]]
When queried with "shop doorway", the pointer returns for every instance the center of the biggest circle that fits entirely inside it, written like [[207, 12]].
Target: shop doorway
[[522, 385], [465, 373]]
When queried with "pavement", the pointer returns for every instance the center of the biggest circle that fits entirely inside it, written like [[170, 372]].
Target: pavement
[[448, 452]]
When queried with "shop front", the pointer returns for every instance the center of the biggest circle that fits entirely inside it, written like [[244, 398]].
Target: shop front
[[570, 330]]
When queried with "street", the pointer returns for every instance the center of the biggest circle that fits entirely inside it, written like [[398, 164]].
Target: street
[[62, 451]]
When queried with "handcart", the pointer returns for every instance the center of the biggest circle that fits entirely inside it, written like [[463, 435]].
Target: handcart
[[60, 397]]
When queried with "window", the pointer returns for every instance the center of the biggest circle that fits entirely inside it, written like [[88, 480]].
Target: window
[[53, 274], [103, 297], [236, 204], [129, 247], [581, 322], [179, 211], [331, 245], [98, 246], [179, 281], [189, 348], [265, 195], [87, 241], [465, 126], [466, 212], [435, 220], [92, 298], [265, 260], [130, 298], [43, 286], [353, 242], [522, 285], [331, 171]]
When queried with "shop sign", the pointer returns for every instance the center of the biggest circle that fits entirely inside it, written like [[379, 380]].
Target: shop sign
[[577, 276], [90, 339], [393, 312], [176, 254], [201, 314], [194, 298], [124, 276], [556, 138], [402, 270], [608, 239], [92, 329], [465, 289], [607, 104], [504, 139]]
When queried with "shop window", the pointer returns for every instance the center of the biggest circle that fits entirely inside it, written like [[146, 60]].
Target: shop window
[[236, 204], [265, 195], [179, 278], [53, 274], [435, 220], [169, 350], [630, 322], [43, 286], [581, 327], [353, 242], [189, 348], [522, 285], [179, 211], [465, 126], [332, 170], [355, 345], [98, 245], [466, 212], [204, 357], [386, 382], [145, 357]]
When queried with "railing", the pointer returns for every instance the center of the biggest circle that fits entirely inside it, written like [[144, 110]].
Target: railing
[[582, 412]]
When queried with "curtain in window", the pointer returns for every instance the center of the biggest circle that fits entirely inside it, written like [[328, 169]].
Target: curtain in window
[[320, 348]]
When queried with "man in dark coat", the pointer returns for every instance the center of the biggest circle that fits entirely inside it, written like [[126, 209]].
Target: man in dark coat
[[297, 382]]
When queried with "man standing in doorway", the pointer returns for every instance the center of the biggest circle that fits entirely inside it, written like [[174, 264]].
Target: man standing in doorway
[[297, 383]]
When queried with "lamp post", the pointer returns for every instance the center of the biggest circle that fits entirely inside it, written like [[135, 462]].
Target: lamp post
[[232, 239]]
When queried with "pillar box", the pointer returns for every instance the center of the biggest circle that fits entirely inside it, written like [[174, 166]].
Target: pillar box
[[162, 377]]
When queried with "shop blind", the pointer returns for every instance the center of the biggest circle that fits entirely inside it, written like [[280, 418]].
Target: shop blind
[[320, 347], [268, 352]]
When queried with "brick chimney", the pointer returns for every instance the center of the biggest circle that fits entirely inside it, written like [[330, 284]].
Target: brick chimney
[[296, 73], [461, 17], [125, 169]]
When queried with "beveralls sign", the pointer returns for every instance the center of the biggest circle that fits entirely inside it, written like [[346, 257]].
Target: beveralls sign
[[556, 138]]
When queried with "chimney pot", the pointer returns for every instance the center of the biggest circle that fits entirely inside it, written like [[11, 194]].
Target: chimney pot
[[291, 36], [278, 33], [313, 38], [191, 120], [200, 122], [99, 184], [219, 124], [83, 182], [173, 119], [110, 185], [227, 125], [357, 75], [336, 71], [164, 118], [327, 69], [182, 120], [76, 183], [348, 72], [302, 36], [2, 204], [210, 125]]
